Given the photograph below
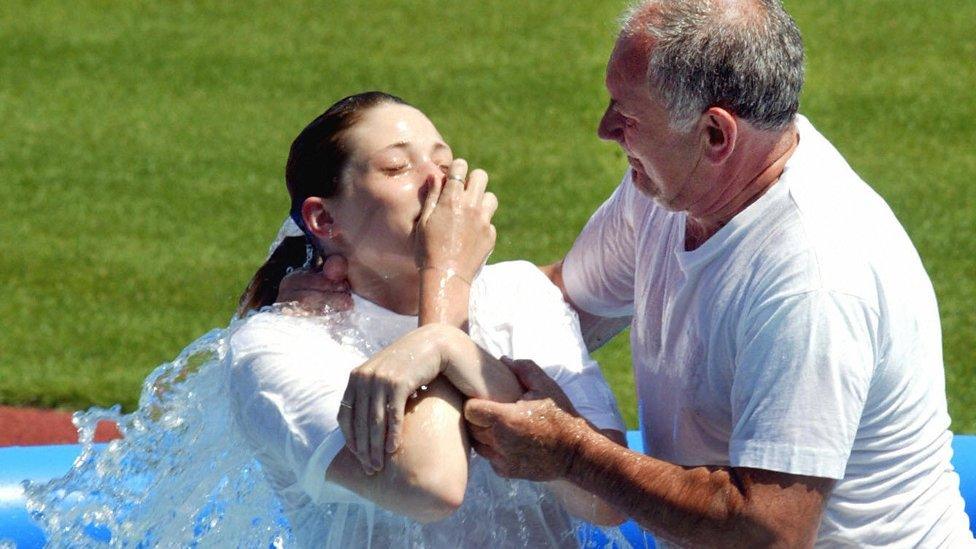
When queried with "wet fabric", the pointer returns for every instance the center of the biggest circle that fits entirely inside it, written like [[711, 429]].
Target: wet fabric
[[288, 374], [803, 337]]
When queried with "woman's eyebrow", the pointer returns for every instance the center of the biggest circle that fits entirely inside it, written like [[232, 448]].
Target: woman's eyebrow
[[438, 146], [397, 145]]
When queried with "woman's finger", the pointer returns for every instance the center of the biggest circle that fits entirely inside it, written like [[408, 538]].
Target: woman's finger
[[430, 201], [489, 205], [475, 189], [345, 417], [457, 176], [395, 408], [377, 423], [458, 171], [361, 416]]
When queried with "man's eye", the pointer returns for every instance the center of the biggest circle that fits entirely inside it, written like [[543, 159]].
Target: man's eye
[[630, 122]]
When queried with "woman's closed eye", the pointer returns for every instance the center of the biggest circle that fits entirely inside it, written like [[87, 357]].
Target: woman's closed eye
[[396, 168]]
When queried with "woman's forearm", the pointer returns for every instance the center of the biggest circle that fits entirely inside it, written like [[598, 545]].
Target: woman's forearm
[[411, 483], [472, 370], [443, 298]]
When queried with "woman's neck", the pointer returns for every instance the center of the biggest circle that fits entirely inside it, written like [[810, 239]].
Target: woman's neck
[[399, 292]]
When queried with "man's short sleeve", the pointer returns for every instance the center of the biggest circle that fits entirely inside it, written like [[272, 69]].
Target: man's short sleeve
[[598, 271], [802, 372]]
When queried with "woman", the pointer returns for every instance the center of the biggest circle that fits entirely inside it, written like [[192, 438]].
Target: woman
[[372, 180]]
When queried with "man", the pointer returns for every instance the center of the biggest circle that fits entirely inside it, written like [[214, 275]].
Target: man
[[785, 336]]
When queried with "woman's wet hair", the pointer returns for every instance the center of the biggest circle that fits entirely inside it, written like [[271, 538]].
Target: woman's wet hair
[[316, 162]]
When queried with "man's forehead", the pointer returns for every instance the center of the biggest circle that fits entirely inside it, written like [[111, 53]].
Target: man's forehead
[[628, 62]]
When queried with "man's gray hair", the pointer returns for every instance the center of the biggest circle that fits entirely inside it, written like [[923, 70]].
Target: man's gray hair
[[745, 56]]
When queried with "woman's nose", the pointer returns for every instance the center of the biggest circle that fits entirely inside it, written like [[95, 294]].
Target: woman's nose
[[432, 172], [431, 177]]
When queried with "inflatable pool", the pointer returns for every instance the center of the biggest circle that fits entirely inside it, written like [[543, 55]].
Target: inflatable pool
[[37, 463]]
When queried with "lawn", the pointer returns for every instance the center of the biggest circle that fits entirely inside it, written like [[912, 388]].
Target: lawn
[[143, 144]]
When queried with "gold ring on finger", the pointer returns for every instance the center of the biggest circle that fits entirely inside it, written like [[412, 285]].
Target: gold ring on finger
[[456, 177]]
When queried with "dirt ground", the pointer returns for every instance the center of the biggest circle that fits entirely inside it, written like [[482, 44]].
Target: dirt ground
[[32, 427]]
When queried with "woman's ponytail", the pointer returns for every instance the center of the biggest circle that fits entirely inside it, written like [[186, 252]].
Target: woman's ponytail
[[263, 288]]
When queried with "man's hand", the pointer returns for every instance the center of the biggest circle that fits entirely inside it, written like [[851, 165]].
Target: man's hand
[[324, 290], [534, 438]]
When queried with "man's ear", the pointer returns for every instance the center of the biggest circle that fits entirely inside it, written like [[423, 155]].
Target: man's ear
[[317, 218], [720, 136]]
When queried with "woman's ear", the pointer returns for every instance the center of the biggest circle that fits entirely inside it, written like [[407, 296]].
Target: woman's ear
[[721, 134], [317, 218]]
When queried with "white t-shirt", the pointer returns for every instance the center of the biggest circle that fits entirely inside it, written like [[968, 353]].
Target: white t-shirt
[[288, 374], [803, 337]]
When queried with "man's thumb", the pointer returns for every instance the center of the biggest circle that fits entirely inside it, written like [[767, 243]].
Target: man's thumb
[[335, 268], [529, 374], [480, 412]]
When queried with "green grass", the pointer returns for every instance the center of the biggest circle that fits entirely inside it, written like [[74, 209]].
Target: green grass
[[142, 148]]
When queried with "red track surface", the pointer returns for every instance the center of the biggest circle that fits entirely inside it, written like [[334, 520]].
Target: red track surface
[[32, 427]]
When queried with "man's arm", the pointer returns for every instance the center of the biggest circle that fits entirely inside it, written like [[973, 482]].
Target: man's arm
[[585, 504], [700, 506], [596, 330]]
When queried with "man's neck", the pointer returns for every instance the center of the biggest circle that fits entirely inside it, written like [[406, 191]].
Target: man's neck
[[754, 174]]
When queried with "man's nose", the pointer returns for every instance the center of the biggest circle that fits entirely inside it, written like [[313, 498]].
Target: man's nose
[[611, 126]]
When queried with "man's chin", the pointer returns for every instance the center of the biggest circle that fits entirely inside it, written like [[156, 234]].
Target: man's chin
[[643, 183]]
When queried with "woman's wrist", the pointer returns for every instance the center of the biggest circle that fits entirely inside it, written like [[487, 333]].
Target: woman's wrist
[[447, 273], [443, 297]]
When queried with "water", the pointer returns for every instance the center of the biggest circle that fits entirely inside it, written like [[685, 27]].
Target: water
[[181, 476], [184, 476]]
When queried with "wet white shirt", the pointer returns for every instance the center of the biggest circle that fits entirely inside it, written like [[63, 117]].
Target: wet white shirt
[[288, 374], [803, 337]]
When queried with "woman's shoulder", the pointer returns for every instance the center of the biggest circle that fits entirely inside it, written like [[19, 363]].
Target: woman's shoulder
[[519, 278], [273, 330], [516, 292]]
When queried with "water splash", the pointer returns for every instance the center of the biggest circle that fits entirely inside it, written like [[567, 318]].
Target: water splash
[[183, 475]]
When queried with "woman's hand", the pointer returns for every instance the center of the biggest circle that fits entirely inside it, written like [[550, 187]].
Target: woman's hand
[[372, 408], [455, 234]]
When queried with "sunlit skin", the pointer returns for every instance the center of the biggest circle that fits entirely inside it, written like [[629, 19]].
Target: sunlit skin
[[414, 228], [712, 171], [397, 155], [663, 161]]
